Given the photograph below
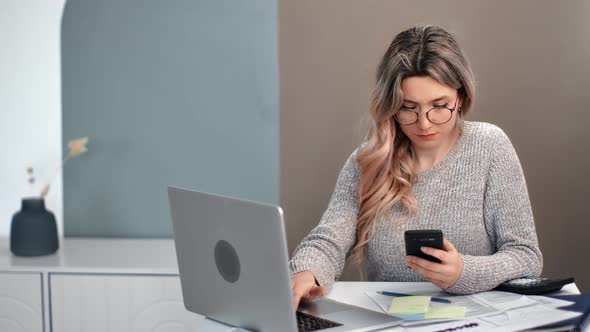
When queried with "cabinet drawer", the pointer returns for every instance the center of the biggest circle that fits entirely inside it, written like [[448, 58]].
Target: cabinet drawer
[[21, 302], [110, 302]]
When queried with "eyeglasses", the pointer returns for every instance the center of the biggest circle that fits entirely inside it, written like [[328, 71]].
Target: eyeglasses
[[439, 114]]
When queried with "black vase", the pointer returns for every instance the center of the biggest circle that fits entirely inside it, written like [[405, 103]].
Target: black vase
[[33, 231]]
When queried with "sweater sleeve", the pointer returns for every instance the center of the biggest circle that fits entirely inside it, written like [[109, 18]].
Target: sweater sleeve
[[509, 222], [324, 250]]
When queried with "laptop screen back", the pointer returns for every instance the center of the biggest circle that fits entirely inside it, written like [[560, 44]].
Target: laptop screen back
[[232, 258]]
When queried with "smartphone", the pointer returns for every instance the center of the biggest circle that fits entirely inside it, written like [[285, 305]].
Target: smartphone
[[423, 238]]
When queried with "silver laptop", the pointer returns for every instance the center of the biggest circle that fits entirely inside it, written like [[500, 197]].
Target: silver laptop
[[232, 257]]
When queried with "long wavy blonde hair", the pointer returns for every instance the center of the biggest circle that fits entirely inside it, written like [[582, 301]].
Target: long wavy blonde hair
[[386, 160]]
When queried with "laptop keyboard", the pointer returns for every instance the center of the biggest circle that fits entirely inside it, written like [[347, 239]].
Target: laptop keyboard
[[306, 322]]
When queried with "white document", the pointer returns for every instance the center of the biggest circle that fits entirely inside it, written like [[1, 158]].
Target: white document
[[513, 320], [503, 300], [491, 311], [550, 302], [526, 318]]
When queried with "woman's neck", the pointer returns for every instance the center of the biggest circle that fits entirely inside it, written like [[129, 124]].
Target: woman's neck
[[425, 159]]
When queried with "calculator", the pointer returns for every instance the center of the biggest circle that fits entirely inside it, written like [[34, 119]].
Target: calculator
[[534, 285]]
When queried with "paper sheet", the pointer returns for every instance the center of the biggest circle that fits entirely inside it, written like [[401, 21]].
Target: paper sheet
[[514, 320], [503, 300], [551, 302], [492, 311]]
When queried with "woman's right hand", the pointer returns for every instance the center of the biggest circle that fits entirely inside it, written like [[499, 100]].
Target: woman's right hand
[[303, 286]]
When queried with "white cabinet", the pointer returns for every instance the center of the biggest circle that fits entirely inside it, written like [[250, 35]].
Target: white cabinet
[[88, 285], [118, 303], [21, 305]]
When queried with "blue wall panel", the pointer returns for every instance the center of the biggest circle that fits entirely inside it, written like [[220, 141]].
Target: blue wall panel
[[170, 93]]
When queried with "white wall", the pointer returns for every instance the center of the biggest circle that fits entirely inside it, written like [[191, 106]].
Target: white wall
[[30, 103]]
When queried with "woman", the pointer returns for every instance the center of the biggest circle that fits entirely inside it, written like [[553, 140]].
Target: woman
[[423, 167]]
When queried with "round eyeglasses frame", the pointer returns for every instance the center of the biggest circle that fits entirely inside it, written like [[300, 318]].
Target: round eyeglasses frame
[[427, 114]]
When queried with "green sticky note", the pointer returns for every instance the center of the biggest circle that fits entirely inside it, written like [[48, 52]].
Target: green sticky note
[[442, 312], [409, 305]]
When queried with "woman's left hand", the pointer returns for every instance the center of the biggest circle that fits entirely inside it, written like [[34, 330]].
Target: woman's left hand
[[444, 274]]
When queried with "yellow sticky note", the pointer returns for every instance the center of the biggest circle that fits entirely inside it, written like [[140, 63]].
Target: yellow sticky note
[[442, 312], [409, 305]]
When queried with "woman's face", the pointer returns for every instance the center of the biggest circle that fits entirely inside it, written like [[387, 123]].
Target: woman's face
[[421, 94]]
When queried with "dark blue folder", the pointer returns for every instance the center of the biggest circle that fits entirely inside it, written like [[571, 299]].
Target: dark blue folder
[[581, 304]]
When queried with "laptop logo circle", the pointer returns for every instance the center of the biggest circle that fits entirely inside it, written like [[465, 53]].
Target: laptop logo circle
[[227, 261]]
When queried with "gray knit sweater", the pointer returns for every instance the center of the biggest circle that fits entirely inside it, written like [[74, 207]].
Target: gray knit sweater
[[477, 196]]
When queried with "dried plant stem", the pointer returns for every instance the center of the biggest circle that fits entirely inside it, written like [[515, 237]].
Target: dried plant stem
[[76, 148], [45, 189]]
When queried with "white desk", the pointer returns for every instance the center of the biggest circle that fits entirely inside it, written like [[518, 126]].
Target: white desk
[[113, 284], [352, 292]]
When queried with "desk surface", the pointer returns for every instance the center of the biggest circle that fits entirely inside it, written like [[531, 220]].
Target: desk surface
[[157, 256], [352, 292]]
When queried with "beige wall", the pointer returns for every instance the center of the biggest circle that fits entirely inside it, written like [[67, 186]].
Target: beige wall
[[532, 65]]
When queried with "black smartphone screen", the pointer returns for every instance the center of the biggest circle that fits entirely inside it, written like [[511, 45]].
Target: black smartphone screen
[[423, 238]]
